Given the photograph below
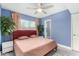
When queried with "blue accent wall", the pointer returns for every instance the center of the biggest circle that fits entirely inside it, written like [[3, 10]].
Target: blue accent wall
[[5, 12], [61, 27], [26, 17]]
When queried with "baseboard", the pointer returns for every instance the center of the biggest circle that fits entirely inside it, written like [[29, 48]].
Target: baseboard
[[66, 47]]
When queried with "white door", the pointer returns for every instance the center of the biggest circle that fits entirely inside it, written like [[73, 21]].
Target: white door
[[75, 43], [47, 28]]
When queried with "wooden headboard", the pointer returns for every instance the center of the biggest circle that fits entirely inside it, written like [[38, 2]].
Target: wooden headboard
[[19, 33]]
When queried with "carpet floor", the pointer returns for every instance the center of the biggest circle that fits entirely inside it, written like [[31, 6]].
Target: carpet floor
[[60, 52]]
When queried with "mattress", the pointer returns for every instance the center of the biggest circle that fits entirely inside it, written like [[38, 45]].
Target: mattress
[[38, 46]]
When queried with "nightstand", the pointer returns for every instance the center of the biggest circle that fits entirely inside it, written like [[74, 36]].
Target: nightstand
[[7, 46]]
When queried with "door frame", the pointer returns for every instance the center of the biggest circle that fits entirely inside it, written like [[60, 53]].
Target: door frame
[[45, 33], [72, 29]]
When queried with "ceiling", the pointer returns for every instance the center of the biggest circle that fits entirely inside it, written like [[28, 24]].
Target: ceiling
[[58, 7]]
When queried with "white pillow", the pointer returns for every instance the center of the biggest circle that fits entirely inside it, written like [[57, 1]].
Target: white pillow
[[33, 36], [23, 37]]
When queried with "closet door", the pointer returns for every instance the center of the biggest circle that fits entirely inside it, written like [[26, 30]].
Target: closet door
[[75, 22]]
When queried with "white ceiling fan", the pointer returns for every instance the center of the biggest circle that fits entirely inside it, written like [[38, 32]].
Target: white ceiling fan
[[41, 8]]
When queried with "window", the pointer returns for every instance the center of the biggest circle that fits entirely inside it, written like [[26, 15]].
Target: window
[[26, 24]]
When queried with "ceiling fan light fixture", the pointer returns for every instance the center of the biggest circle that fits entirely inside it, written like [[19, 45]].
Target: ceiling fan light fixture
[[39, 10]]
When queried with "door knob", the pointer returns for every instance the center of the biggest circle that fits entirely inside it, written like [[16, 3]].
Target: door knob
[[74, 34]]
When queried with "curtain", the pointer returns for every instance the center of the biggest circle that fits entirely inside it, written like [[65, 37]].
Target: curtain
[[37, 21], [16, 19]]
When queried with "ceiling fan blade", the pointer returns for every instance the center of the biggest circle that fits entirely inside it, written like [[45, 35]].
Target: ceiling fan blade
[[35, 12], [44, 12], [31, 8], [50, 6]]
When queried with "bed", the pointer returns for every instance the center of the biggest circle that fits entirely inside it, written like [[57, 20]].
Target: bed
[[37, 46]]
